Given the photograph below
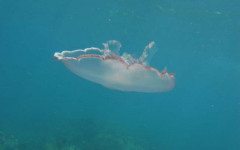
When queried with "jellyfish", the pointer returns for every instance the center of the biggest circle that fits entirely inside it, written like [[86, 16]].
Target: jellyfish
[[106, 67]]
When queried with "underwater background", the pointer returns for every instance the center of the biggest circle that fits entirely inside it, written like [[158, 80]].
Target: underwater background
[[44, 106]]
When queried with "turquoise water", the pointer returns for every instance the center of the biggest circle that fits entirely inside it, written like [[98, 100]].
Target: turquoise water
[[43, 106]]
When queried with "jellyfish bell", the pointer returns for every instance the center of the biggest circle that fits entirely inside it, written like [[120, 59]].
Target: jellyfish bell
[[125, 73]]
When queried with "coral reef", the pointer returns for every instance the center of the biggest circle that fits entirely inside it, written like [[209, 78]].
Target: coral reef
[[8, 142], [54, 147], [80, 135], [106, 141]]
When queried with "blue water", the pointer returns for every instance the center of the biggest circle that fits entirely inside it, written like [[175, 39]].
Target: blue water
[[45, 106]]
